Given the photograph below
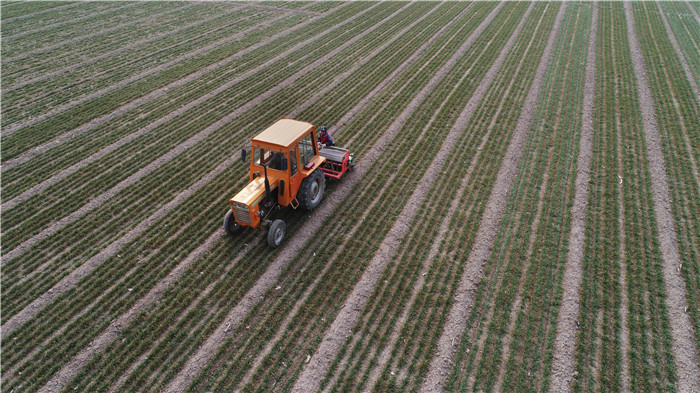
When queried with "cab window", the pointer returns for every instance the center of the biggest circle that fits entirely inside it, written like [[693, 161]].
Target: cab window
[[307, 150], [272, 159], [293, 161]]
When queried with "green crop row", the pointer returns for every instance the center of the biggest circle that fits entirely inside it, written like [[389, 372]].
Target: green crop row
[[687, 32], [525, 267], [87, 298], [370, 335], [67, 30], [42, 167], [15, 10], [49, 17], [196, 161], [255, 259], [678, 115], [621, 237]]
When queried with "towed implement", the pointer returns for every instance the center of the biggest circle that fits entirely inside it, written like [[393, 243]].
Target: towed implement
[[287, 168]]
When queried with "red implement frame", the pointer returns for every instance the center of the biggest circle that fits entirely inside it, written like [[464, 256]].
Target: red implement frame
[[337, 161]]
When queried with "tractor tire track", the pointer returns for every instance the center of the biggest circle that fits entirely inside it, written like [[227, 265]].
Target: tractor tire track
[[34, 14], [150, 18], [11, 129], [460, 125], [120, 50], [93, 124], [69, 281], [563, 360], [101, 199], [683, 340], [491, 219], [320, 362], [55, 25], [307, 231], [79, 360], [681, 57], [692, 10], [279, 9]]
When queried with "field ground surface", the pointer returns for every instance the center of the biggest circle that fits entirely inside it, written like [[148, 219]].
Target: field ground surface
[[524, 213]]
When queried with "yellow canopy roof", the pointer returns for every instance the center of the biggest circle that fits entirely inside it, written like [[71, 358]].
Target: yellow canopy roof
[[284, 132]]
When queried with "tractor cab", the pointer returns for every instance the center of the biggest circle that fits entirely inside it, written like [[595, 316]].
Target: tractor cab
[[284, 171]]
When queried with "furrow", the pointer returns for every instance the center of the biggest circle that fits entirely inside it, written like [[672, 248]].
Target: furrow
[[100, 200], [492, 216], [73, 67], [58, 24], [69, 281], [11, 129], [562, 367], [34, 14], [340, 193], [684, 345]]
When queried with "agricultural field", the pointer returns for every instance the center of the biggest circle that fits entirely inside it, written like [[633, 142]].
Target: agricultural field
[[524, 213]]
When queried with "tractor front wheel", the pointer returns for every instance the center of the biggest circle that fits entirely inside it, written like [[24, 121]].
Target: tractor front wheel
[[311, 190], [275, 235], [230, 225]]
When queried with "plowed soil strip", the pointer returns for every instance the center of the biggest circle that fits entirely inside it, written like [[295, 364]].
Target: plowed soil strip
[[355, 303], [58, 24], [563, 363], [101, 199], [163, 90], [97, 345], [93, 35], [279, 9], [692, 9], [69, 281], [679, 52], [460, 124], [491, 219], [12, 129], [308, 230], [34, 14], [118, 51], [683, 340]]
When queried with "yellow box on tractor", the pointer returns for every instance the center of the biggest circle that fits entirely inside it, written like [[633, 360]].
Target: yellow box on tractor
[[287, 168]]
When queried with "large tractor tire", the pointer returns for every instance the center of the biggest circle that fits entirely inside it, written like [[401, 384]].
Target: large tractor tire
[[275, 236], [311, 190], [230, 224]]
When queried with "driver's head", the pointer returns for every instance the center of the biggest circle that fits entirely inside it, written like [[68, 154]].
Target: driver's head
[[324, 130]]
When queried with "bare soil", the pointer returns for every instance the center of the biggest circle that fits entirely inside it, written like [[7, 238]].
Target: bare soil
[[679, 52], [162, 160], [563, 361], [682, 336], [493, 214], [351, 310], [460, 124]]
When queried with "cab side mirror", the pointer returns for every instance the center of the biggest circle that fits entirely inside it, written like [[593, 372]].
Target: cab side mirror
[[243, 154]]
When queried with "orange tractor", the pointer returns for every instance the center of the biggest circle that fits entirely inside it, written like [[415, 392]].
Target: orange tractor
[[287, 168]]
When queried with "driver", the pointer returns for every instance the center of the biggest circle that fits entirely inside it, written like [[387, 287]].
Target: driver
[[325, 138]]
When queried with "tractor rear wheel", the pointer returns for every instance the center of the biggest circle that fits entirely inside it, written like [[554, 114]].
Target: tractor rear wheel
[[275, 235], [311, 190], [230, 224]]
